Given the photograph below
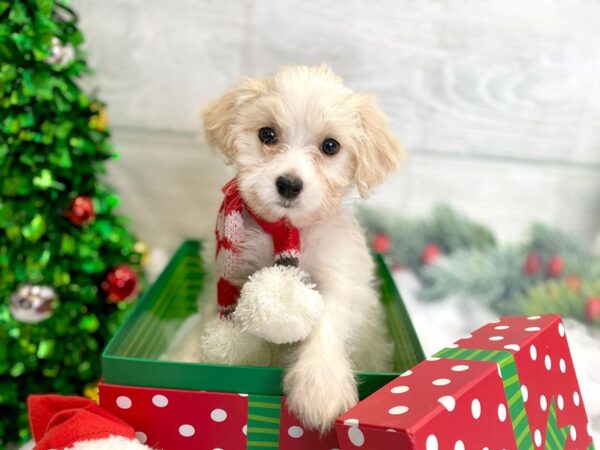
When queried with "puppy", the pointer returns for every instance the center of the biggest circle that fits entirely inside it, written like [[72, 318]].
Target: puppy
[[299, 142]]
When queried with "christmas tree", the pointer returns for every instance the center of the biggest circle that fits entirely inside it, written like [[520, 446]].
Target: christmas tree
[[67, 262]]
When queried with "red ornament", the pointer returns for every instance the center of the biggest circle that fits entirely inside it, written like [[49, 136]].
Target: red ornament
[[381, 243], [555, 266], [121, 283], [431, 252], [80, 210], [573, 282], [532, 264], [592, 309]]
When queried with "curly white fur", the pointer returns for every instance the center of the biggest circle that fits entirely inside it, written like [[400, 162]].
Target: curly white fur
[[224, 342], [304, 106], [278, 304], [110, 443]]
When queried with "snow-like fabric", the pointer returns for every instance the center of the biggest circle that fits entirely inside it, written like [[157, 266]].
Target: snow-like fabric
[[229, 234]]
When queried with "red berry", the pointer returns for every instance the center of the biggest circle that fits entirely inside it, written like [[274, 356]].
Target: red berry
[[592, 309], [573, 282], [532, 264], [80, 210], [555, 266], [431, 252], [381, 243]]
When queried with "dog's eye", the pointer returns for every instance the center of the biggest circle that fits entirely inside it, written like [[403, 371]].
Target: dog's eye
[[330, 146], [267, 135]]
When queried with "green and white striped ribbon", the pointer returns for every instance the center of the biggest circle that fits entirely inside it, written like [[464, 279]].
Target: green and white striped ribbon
[[555, 437], [264, 413]]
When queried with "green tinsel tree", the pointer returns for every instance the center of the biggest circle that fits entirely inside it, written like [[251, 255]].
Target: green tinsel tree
[[67, 262]]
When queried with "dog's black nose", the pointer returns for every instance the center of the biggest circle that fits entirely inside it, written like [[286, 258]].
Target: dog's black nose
[[288, 187]]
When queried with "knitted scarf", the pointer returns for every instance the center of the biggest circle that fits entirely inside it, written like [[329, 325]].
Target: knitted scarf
[[229, 234]]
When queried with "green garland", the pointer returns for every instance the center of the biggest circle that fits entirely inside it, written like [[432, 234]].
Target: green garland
[[53, 146], [550, 272]]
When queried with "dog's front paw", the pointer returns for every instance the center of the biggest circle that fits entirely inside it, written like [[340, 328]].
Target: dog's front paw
[[278, 304], [320, 394], [223, 342]]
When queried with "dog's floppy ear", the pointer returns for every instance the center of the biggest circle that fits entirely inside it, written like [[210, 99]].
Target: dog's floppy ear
[[379, 152], [219, 115]]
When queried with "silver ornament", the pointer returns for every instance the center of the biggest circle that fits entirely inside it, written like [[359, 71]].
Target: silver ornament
[[60, 54], [32, 303]]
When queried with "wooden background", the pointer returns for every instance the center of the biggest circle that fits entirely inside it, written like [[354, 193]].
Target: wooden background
[[497, 101]]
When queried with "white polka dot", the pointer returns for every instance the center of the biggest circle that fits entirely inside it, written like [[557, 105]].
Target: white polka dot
[[460, 368], [496, 338], [459, 445], [514, 347], [524, 393], [543, 402], [187, 430], [537, 437], [561, 330], [486, 448], [397, 410], [561, 402], [562, 365], [533, 352], [245, 429], [548, 362], [356, 436], [295, 431], [441, 382], [573, 433], [476, 409], [502, 327], [501, 412], [160, 400], [217, 449], [351, 422], [530, 329], [431, 443], [433, 358], [576, 398], [407, 373], [124, 402], [141, 436], [399, 389], [448, 402], [534, 317], [218, 415]]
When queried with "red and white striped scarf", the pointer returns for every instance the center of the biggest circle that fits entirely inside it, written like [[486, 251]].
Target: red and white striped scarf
[[229, 233]]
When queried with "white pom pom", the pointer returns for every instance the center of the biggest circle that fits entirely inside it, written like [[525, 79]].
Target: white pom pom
[[110, 443], [224, 342], [279, 305]]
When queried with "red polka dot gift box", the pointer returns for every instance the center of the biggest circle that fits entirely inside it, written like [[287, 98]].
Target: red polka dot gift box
[[193, 406], [509, 385]]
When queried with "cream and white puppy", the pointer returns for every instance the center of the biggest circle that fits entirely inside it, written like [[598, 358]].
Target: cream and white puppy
[[299, 141]]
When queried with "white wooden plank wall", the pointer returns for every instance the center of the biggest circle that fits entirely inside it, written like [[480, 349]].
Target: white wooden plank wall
[[497, 101]]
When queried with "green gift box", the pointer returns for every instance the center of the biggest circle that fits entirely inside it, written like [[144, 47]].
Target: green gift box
[[193, 405]]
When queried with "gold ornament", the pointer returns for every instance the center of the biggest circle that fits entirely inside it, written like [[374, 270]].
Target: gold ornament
[[99, 121], [141, 248], [91, 391]]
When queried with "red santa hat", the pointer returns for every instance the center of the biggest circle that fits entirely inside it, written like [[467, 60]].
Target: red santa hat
[[69, 422]]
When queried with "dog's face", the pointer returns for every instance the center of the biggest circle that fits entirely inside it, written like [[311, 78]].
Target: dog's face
[[299, 141]]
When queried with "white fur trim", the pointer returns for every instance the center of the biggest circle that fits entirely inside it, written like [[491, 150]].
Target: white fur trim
[[224, 342], [110, 443], [277, 304]]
